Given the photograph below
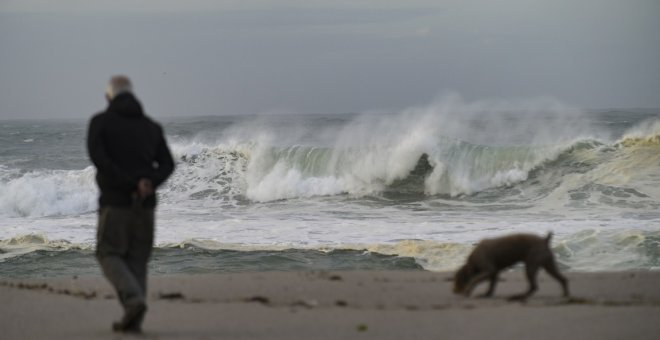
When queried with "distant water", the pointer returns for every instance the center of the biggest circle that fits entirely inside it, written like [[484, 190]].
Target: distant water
[[408, 190]]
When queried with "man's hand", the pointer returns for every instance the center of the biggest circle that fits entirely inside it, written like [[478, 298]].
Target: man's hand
[[144, 188]]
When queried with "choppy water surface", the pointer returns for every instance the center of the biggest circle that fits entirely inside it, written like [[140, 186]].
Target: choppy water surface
[[348, 191]]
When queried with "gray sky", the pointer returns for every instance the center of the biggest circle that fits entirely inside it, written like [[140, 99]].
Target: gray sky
[[235, 57]]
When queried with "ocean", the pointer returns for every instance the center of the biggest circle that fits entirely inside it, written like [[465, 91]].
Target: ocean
[[407, 190]]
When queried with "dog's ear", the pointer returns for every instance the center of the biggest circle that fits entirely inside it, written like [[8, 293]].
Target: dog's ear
[[548, 238]]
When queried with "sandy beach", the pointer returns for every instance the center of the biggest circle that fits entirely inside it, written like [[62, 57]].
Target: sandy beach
[[337, 305], [321, 169]]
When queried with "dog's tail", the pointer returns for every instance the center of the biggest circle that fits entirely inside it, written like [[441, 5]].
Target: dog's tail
[[548, 238]]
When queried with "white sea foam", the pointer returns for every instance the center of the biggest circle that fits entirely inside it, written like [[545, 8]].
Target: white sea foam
[[585, 250], [48, 192], [595, 250], [426, 182]]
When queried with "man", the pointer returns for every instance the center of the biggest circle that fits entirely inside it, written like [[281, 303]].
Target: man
[[132, 159]]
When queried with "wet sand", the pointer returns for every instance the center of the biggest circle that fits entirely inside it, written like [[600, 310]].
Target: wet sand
[[337, 305]]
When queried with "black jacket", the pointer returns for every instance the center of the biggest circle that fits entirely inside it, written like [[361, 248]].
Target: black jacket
[[125, 145]]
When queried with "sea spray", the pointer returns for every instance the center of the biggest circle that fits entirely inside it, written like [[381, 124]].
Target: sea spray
[[372, 151], [646, 133], [367, 189], [265, 160], [370, 155]]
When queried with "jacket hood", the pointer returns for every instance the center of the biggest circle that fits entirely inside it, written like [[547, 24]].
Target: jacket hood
[[125, 104]]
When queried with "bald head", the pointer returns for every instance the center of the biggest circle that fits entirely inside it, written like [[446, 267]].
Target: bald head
[[118, 84]]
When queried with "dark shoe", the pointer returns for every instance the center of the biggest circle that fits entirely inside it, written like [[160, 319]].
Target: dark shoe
[[120, 328], [132, 320]]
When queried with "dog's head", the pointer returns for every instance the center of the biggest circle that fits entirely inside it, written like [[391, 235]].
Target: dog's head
[[461, 278]]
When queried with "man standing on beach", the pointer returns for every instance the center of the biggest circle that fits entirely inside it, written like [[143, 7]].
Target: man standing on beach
[[132, 159]]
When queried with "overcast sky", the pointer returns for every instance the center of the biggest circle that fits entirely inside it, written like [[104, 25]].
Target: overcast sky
[[235, 57]]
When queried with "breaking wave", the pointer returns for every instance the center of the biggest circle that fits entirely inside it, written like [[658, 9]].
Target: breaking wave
[[451, 168], [47, 192], [412, 153], [645, 134]]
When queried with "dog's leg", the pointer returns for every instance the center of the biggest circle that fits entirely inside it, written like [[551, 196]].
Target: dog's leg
[[530, 272], [491, 286], [551, 267]]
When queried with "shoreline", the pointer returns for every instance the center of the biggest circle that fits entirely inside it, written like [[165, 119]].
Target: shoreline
[[337, 305]]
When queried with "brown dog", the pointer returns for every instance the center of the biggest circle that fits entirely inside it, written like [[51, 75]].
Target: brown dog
[[491, 256]]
